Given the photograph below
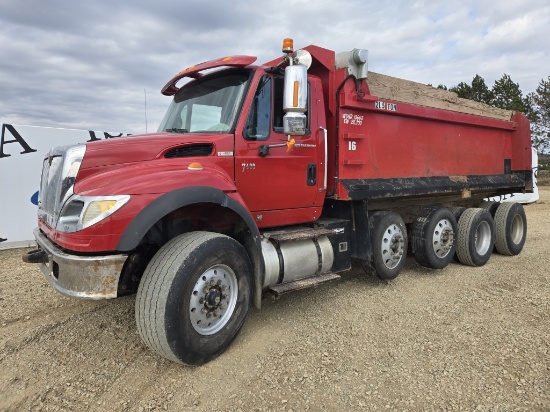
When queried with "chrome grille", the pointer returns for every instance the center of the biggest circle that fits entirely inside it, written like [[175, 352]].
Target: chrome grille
[[59, 171], [50, 187], [51, 178]]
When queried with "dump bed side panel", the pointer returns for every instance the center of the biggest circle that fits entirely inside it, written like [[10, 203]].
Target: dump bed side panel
[[381, 139]]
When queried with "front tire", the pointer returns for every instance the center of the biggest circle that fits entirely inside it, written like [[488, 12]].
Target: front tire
[[194, 297]]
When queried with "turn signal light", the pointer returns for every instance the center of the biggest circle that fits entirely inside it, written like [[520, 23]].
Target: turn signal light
[[195, 166], [97, 208]]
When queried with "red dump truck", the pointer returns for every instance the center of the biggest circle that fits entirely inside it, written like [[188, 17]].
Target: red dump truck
[[265, 179]]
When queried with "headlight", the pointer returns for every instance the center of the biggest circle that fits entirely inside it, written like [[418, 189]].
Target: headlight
[[81, 212]]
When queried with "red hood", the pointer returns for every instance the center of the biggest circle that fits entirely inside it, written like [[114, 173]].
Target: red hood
[[139, 148]]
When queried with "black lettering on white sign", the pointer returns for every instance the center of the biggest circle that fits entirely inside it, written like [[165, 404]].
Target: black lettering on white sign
[[17, 138], [106, 135], [392, 107]]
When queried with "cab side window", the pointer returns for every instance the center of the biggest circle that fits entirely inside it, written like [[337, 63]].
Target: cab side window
[[278, 111], [258, 123]]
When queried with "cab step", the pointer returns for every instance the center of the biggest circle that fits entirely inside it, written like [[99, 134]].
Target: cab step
[[282, 288], [298, 234]]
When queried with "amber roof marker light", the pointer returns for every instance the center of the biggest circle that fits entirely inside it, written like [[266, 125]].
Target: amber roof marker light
[[288, 45]]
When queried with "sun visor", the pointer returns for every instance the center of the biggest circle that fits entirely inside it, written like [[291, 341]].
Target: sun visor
[[194, 71]]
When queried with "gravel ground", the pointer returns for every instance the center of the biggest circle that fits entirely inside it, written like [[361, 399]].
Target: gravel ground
[[461, 338]]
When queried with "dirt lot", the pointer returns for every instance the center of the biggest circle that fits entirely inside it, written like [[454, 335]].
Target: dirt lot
[[457, 339], [543, 178]]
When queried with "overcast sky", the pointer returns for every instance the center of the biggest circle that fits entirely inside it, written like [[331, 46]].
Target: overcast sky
[[86, 64]]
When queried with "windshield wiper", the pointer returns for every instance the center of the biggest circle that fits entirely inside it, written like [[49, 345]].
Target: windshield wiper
[[176, 130]]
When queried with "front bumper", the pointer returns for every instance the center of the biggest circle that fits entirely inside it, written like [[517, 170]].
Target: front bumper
[[85, 277]]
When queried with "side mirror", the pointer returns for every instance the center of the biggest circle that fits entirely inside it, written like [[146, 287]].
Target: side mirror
[[295, 100], [294, 124]]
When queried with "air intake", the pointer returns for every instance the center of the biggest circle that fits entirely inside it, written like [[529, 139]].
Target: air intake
[[190, 151]]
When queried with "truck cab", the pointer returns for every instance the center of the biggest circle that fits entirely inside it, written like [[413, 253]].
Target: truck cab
[[266, 161]]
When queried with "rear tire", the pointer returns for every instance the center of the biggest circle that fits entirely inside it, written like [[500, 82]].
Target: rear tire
[[457, 212], [490, 206], [433, 236], [194, 297], [388, 239], [510, 228], [476, 237]]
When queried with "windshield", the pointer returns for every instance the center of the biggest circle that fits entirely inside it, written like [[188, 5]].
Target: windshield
[[206, 105]]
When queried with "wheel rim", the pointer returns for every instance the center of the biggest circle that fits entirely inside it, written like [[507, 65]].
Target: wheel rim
[[443, 238], [392, 246], [213, 299], [516, 231], [483, 238]]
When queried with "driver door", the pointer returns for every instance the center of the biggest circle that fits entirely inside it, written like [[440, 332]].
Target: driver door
[[286, 178]]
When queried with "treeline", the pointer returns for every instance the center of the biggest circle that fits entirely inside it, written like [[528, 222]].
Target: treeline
[[506, 94]]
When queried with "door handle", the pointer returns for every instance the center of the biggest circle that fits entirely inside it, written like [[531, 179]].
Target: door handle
[[311, 174]]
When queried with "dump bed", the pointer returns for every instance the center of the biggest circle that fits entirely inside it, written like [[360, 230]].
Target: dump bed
[[396, 138]]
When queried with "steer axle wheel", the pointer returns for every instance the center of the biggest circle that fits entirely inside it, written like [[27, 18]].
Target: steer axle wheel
[[213, 299], [194, 296]]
